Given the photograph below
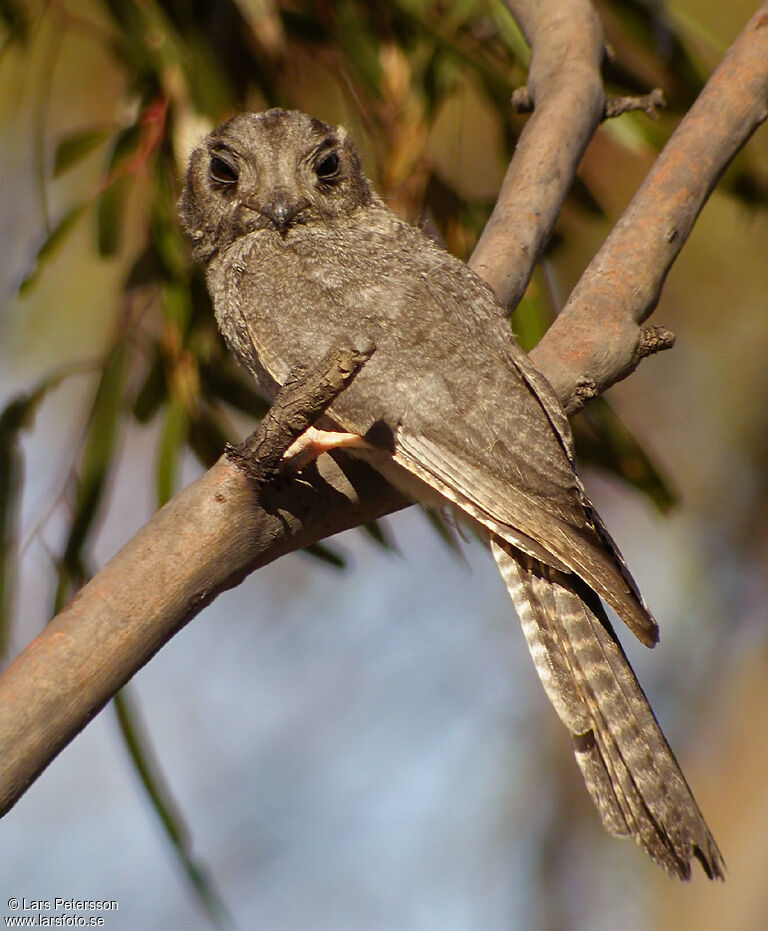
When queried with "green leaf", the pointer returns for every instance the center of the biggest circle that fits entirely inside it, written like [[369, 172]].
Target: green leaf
[[95, 462], [444, 528], [11, 483], [75, 147], [50, 244], [145, 765], [18, 415], [123, 146], [153, 393], [223, 382], [146, 269], [530, 320], [442, 73], [173, 436], [177, 303], [110, 211], [325, 554], [359, 44], [170, 248], [375, 530], [509, 31]]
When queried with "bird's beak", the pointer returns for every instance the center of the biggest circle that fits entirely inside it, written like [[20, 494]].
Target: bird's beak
[[281, 211]]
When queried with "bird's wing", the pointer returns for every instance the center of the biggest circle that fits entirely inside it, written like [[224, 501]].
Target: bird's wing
[[511, 510], [471, 416], [628, 767]]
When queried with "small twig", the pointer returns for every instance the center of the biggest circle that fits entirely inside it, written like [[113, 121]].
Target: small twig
[[521, 99], [648, 103], [653, 339], [305, 396], [522, 102]]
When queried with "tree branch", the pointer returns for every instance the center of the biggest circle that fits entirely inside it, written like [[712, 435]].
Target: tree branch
[[304, 397], [648, 103], [597, 338], [223, 526], [205, 540], [565, 88]]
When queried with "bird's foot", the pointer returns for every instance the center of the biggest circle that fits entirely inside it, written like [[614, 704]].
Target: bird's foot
[[313, 443]]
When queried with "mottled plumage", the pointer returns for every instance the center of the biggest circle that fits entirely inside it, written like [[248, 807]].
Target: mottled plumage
[[302, 256]]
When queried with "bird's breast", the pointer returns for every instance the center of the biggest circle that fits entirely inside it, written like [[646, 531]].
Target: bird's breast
[[281, 303]]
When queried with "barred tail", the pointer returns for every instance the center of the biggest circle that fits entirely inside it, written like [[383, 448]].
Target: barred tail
[[628, 767]]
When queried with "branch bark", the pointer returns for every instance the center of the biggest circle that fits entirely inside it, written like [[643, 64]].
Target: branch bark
[[597, 339], [205, 540], [222, 527], [565, 89]]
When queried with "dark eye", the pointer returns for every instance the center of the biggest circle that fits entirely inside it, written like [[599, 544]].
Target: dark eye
[[327, 167], [222, 171]]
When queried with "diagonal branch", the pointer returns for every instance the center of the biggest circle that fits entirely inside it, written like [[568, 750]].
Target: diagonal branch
[[564, 86], [223, 526], [622, 284], [205, 540]]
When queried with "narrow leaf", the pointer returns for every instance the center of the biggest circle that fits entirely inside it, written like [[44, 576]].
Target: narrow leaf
[[95, 462], [11, 481], [325, 554], [224, 383], [75, 147], [146, 269], [110, 211], [173, 436], [14, 16], [123, 146], [153, 393], [50, 244], [207, 437], [18, 415], [531, 319], [377, 532], [445, 530], [145, 765]]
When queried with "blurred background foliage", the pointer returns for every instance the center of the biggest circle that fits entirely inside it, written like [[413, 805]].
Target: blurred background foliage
[[102, 101]]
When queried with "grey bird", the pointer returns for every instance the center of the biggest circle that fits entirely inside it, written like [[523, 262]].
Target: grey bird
[[302, 257]]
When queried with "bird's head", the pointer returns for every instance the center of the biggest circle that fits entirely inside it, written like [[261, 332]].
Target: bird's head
[[268, 171]]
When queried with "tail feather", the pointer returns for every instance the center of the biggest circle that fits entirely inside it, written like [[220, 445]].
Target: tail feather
[[629, 769]]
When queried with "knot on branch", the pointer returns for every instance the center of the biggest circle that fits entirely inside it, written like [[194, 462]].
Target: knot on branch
[[521, 100], [648, 103], [306, 395], [653, 339], [584, 392]]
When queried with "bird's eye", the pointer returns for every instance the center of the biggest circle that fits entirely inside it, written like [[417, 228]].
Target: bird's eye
[[328, 167], [222, 171]]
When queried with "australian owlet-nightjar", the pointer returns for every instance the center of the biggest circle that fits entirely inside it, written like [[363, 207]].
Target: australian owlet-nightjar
[[301, 257]]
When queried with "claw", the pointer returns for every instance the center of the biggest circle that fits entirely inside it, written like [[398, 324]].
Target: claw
[[313, 443]]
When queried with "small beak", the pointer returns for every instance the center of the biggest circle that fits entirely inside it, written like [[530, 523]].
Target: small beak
[[282, 211]]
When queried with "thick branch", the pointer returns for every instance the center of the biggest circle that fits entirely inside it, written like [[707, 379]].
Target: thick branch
[[597, 338], [220, 528], [565, 88], [205, 540]]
